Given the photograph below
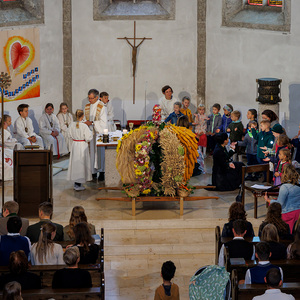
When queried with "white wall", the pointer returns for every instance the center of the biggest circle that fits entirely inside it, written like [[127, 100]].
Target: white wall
[[237, 57], [51, 70], [103, 62]]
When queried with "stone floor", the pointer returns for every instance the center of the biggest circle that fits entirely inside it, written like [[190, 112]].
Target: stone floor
[[136, 247]]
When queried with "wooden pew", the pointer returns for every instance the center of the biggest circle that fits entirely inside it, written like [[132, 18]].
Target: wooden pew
[[290, 268], [219, 241], [248, 291], [59, 294]]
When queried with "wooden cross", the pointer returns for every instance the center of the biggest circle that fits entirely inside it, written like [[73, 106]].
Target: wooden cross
[[134, 53]]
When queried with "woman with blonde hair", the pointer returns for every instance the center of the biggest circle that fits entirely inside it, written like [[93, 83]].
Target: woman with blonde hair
[[270, 235], [289, 196], [45, 251], [78, 215], [80, 164]]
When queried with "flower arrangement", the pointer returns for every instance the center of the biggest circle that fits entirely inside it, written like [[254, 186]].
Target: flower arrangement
[[156, 115], [185, 189], [142, 161]]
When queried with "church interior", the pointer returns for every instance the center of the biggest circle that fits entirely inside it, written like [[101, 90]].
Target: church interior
[[210, 51]]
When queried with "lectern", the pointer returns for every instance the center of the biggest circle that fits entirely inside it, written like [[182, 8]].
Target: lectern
[[32, 180]]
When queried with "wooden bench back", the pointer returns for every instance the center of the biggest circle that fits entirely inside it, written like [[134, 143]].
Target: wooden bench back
[[248, 291]]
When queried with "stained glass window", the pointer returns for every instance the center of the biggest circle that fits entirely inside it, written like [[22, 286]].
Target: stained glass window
[[275, 3], [255, 2]]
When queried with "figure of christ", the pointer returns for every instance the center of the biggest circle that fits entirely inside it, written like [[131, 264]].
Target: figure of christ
[[134, 53]]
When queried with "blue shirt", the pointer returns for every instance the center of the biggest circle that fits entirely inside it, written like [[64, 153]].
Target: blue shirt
[[289, 197], [173, 117]]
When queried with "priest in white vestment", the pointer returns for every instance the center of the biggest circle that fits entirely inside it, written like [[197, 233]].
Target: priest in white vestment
[[167, 102], [80, 162], [24, 131], [50, 132], [96, 118], [110, 111]]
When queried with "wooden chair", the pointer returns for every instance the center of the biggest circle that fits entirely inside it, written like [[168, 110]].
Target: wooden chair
[[60, 294], [248, 291], [256, 193]]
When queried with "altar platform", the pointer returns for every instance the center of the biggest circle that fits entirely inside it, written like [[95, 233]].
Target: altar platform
[[136, 247]]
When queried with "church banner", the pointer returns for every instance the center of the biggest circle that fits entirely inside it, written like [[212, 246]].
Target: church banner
[[20, 58]]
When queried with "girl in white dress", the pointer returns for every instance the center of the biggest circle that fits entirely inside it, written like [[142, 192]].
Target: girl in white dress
[[9, 141], [79, 164], [50, 132], [65, 119]]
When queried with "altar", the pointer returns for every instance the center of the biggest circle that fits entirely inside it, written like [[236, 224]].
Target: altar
[[112, 176]]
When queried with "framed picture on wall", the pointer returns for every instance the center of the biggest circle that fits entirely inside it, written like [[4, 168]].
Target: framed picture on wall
[[275, 3]]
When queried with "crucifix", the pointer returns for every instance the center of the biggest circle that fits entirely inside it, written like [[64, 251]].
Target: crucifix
[[134, 53]]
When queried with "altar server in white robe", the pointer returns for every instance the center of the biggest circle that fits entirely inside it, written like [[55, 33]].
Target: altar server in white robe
[[96, 118], [50, 132], [24, 131], [9, 141], [110, 111], [65, 120], [167, 102], [80, 163]]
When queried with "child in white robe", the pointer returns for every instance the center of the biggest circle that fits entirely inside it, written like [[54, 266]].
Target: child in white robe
[[24, 131], [50, 132], [65, 119], [9, 141], [80, 163], [110, 111]]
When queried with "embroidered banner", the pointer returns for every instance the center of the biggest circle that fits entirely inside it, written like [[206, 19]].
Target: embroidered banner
[[20, 58]]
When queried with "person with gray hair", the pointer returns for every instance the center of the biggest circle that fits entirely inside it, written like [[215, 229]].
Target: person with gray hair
[[175, 115], [12, 290], [10, 209], [71, 276]]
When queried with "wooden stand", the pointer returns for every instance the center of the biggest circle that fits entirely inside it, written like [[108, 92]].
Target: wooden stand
[[134, 200], [32, 180]]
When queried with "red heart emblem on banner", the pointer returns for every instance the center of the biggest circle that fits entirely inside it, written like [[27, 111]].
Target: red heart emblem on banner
[[19, 54]]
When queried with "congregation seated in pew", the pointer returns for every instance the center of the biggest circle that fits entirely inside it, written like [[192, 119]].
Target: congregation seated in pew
[[237, 212], [10, 209], [72, 276], [89, 251], [45, 251], [270, 236], [18, 267], [293, 249], [238, 247], [274, 217], [273, 279], [13, 241], [77, 216], [45, 214], [258, 273]]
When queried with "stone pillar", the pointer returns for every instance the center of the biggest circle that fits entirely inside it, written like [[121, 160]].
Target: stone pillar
[[67, 52], [201, 51], [262, 107]]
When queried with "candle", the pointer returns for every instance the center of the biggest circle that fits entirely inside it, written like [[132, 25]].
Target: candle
[[124, 131], [105, 131]]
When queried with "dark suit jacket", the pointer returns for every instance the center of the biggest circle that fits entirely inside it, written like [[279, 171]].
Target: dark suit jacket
[[3, 223], [33, 231]]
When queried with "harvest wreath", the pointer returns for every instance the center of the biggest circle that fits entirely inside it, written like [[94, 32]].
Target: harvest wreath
[[156, 159]]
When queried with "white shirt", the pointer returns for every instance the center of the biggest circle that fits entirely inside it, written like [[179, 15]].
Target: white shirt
[[167, 106], [20, 127], [274, 294]]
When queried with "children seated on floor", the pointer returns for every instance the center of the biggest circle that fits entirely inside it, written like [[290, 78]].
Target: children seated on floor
[[167, 290], [24, 132]]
